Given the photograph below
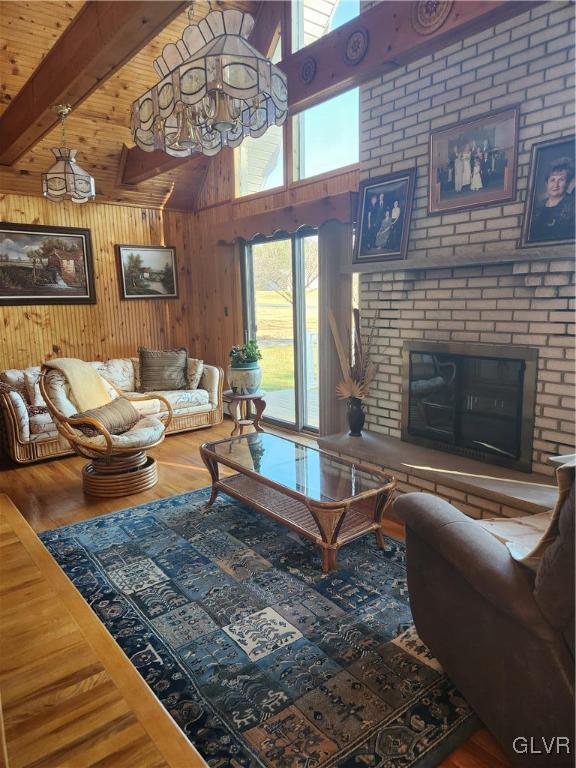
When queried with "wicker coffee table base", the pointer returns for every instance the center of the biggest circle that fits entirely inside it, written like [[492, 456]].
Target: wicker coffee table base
[[328, 525]]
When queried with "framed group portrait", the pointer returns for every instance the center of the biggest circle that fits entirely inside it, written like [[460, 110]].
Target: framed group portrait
[[383, 218], [473, 163], [147, 272], [549, 208], [45, 265]]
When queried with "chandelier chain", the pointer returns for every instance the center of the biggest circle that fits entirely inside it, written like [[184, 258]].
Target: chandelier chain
[[62, 110]]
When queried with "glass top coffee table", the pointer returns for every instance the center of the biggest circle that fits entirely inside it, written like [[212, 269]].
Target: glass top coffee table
[[325, 499]]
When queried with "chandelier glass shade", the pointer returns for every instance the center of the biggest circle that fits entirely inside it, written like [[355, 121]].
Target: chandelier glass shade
[[65, 178], [215, 90]]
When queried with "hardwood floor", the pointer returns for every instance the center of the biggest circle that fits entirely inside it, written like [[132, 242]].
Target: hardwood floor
[[69, 695], [49, 662]]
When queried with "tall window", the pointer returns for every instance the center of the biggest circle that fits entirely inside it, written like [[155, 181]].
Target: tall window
[[260, 162], [282, 314], [327, 136]]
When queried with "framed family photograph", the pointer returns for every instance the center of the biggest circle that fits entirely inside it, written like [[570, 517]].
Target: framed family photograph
[[147, 272], [383, 221], [473, 163], [549, 209], [45, 265]]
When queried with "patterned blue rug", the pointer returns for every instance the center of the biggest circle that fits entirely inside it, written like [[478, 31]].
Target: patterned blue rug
[[259, 657]]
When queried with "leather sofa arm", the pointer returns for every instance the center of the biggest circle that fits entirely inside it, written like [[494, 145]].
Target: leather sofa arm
[[212, 381], [478, 557]]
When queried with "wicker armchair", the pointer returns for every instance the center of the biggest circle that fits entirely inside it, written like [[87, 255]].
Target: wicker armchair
[[118, 464]]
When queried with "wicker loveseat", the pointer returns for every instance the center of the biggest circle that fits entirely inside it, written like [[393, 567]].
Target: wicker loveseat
[[31, 435]]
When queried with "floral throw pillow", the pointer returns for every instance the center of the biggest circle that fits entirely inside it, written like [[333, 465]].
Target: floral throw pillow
[[33, 410], [195, 369]]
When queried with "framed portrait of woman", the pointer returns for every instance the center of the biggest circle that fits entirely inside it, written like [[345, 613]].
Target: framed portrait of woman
[[549, 209], [383, 219]]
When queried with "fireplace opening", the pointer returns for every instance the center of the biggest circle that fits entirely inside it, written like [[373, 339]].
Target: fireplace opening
[[476, 400]]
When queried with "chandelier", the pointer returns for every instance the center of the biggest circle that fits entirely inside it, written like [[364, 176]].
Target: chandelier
[[65, 178], [215, 90]]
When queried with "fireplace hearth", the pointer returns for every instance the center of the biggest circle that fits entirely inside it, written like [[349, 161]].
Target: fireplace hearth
[[472, 399]]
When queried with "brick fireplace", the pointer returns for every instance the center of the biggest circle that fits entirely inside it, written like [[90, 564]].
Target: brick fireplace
[[465, 280]]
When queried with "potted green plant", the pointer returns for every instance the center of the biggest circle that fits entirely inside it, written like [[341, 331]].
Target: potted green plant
[[244, 372]]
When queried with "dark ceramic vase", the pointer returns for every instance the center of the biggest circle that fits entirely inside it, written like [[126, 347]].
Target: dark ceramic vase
[[356, 416]]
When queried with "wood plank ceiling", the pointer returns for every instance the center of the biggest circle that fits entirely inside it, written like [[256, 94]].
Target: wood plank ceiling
[[99, 127]]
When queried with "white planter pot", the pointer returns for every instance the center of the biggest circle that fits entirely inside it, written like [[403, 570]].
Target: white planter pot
[[244, 381]]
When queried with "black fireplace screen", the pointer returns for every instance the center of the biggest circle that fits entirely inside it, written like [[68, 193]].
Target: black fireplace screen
[[471, 402]]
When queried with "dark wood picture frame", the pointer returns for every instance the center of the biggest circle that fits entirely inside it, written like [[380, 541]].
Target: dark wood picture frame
[[380, 234], [480, 151], [538, 227], [67, 275], [145, 290]]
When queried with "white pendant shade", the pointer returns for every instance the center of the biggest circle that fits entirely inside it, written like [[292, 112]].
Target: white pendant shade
[[66, 179]]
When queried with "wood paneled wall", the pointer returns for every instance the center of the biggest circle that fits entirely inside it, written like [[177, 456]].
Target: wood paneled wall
[[114, 327], [207, 316], [213, 214]]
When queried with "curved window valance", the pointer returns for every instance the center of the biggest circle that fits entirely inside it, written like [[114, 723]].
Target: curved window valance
[[291, 218]]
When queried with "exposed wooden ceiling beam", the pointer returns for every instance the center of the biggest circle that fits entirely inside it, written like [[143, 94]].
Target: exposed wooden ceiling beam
[[139, 166], [101, 38], [393, 42], [267, 21]]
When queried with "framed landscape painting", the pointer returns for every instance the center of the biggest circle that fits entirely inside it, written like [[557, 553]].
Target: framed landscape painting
[[45, 265], [549, 209], [473, 163], [383, 220], [147, 272]]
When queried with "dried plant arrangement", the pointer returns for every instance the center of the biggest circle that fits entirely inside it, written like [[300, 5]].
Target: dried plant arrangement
[[358, 370]]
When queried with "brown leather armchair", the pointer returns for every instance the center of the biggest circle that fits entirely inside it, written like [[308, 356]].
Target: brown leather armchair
[[504, 634]]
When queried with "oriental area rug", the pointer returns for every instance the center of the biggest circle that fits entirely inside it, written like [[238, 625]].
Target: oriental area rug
[[260, 658]]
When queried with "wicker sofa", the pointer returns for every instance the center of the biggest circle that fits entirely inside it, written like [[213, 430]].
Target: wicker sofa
[[30, 434]]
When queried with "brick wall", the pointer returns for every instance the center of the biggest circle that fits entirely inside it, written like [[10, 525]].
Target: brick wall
[[520, 297]]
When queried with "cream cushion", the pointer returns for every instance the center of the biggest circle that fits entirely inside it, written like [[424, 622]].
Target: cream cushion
[[15, 377], [119, 372], [143, 434], [180, 400], [22, 418], [26, 380], [41, 423], [31, 377]]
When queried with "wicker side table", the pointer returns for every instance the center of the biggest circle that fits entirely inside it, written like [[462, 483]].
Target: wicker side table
[[238, 409]]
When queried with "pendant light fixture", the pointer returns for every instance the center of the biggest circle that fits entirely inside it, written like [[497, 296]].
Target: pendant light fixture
[[215, 90], [65, 178]]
